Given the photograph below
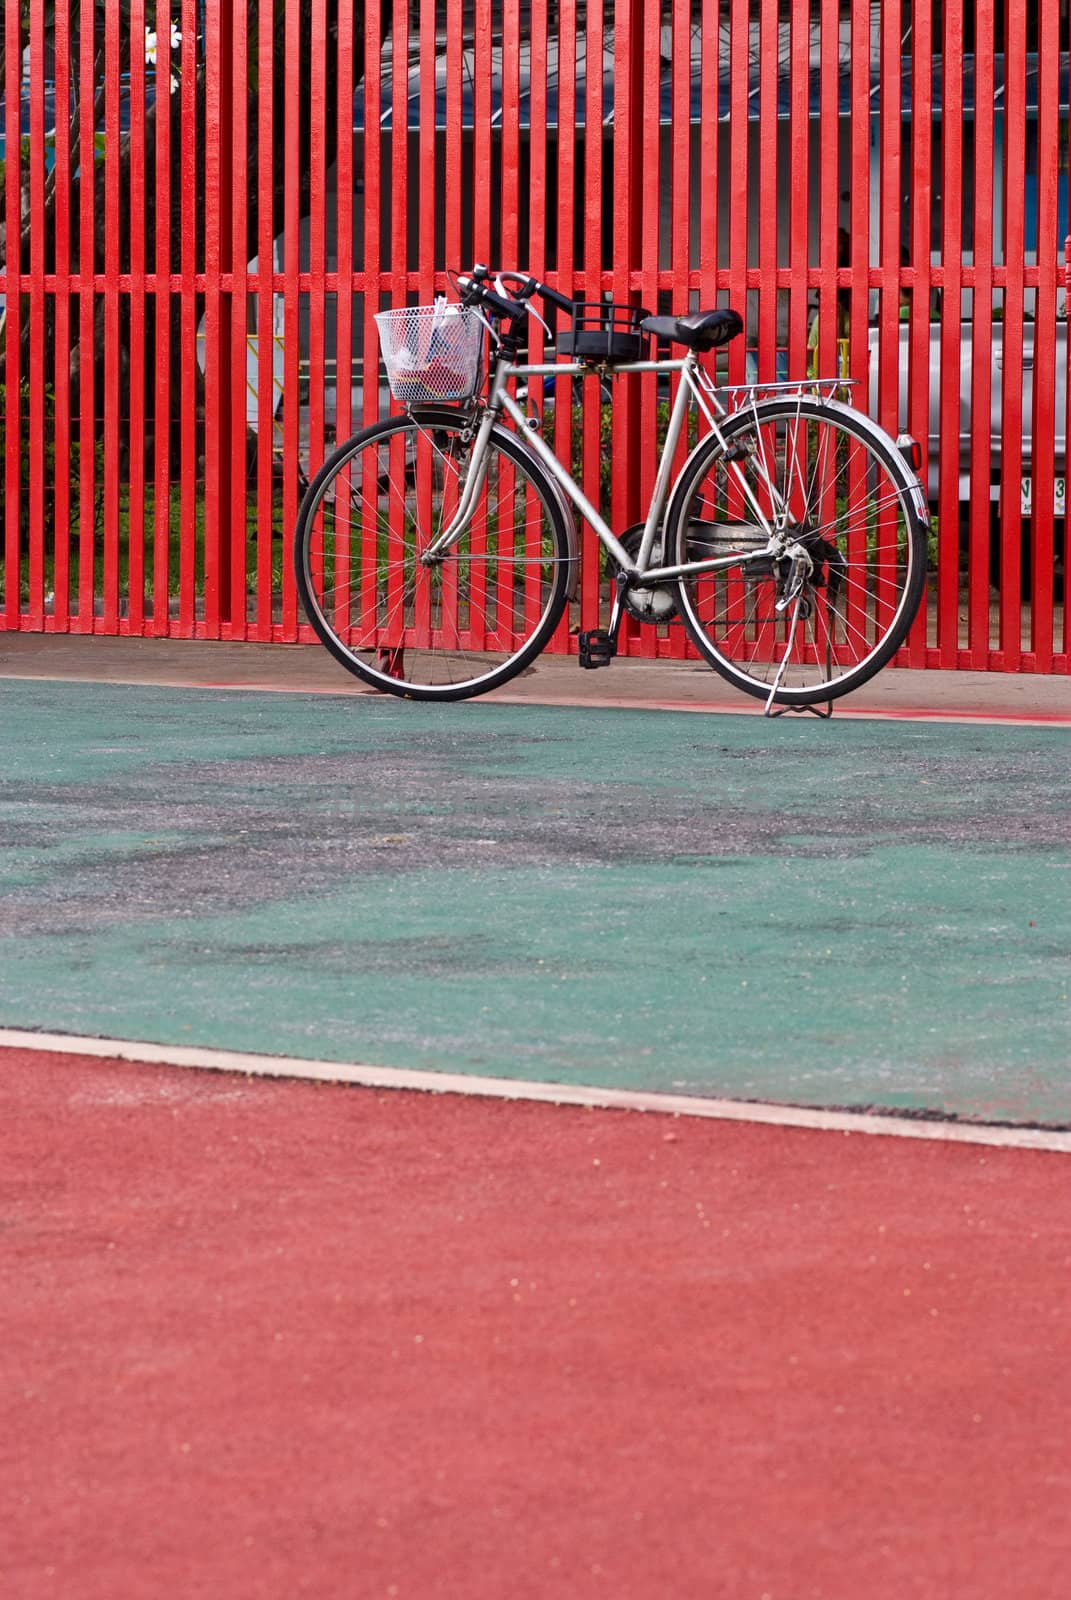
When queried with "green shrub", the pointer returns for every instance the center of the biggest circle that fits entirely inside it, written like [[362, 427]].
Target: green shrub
[[49, 453]]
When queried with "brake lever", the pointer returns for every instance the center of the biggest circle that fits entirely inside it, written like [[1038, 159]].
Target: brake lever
[[525, 299], [532, 312]]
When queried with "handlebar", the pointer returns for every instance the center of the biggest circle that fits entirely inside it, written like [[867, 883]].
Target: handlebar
[[475, 290]]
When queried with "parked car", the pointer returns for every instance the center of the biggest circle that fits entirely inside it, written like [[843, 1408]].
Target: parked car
[[966, 490], [996, 408]]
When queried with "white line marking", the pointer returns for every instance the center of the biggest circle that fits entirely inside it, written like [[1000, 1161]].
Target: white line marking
[[676, 1105]]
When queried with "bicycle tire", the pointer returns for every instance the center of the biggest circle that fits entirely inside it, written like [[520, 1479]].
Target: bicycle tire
[[466, 624], [865, 527]]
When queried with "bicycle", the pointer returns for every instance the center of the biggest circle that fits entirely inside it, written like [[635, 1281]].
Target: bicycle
[[437, 550]]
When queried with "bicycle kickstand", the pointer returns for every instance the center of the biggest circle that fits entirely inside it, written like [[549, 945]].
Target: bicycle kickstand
[[773, 710]]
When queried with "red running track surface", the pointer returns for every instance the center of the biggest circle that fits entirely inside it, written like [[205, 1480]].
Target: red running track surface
[[270, 1339]]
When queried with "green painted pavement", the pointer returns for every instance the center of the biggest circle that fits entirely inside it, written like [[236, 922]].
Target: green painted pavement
[[852, 913]]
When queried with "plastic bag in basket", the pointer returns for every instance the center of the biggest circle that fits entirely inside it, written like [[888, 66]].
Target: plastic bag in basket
[[431, 352]]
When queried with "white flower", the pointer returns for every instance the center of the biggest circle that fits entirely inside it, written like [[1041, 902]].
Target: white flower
[[150, 47]]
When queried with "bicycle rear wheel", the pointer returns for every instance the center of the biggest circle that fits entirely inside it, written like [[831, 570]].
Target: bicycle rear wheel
[[464, 624], [838, 483]]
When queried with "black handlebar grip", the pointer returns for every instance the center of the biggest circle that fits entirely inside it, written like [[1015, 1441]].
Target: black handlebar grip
[[503, 307], [562, 301]]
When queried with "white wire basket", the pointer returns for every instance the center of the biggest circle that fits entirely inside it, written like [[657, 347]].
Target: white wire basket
[[431, 352]]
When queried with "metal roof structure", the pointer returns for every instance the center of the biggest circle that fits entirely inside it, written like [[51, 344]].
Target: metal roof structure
[[699, 60]]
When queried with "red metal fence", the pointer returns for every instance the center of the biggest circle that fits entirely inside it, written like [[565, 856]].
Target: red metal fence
[[213, 199]]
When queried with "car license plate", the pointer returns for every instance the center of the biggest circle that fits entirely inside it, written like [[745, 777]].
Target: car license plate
[[1059, 496]]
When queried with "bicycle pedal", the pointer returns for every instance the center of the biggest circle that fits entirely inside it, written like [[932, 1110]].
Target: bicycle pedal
[[597, 647]]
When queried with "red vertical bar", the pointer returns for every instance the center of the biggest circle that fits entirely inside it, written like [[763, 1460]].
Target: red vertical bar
[[567, 144], [373, 167], [36, 417], [628, 48], [111, 405], [317, 237], [425, 264], [858, 278], [889, 224], [739, 54], [317, 231], [889, 221], [768, 87], [739, 74], [87, 344], [136, 308], [681, 208], [591, 427], [826, 357], [267, 397], [625, 202], [191, 518], [537, 152], [398, 279], [981, 342], [1012, 352], [482, 180], [453, 140], [1060, 641], [237, 191], [860, 191], [12, 302], [428, 187], [648, 247], [161, 600], [344, 295], [539, 201], [709, 162], [511, 136], [709, 166], [481, 133], [681, 147], [799, 204], [565, 238], [505, 603], [920, 358], [1043, 421], [399, 151], [344, 225], [317, 225], [215, 160], [951, 313], [61, 577], [291, 130], [226, 532], [664, 164]]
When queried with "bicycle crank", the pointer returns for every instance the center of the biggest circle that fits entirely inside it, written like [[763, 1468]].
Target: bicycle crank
[[656, 602]]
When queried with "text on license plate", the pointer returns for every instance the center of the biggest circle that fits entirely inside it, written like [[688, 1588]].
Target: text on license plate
[[1059, 496]]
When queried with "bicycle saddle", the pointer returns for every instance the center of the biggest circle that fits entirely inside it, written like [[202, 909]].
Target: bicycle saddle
[[700, 330]]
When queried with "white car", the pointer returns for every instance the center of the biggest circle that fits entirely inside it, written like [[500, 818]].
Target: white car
[[965, 356]]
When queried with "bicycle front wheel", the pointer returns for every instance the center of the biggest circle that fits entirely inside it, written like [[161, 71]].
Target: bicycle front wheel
[[470, 620], [827, 475]]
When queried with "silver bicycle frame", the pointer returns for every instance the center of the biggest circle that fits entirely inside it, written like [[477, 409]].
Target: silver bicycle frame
[[695, 386]]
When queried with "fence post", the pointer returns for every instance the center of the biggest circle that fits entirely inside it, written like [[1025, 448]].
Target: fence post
[[627, 236], [219, 211]]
